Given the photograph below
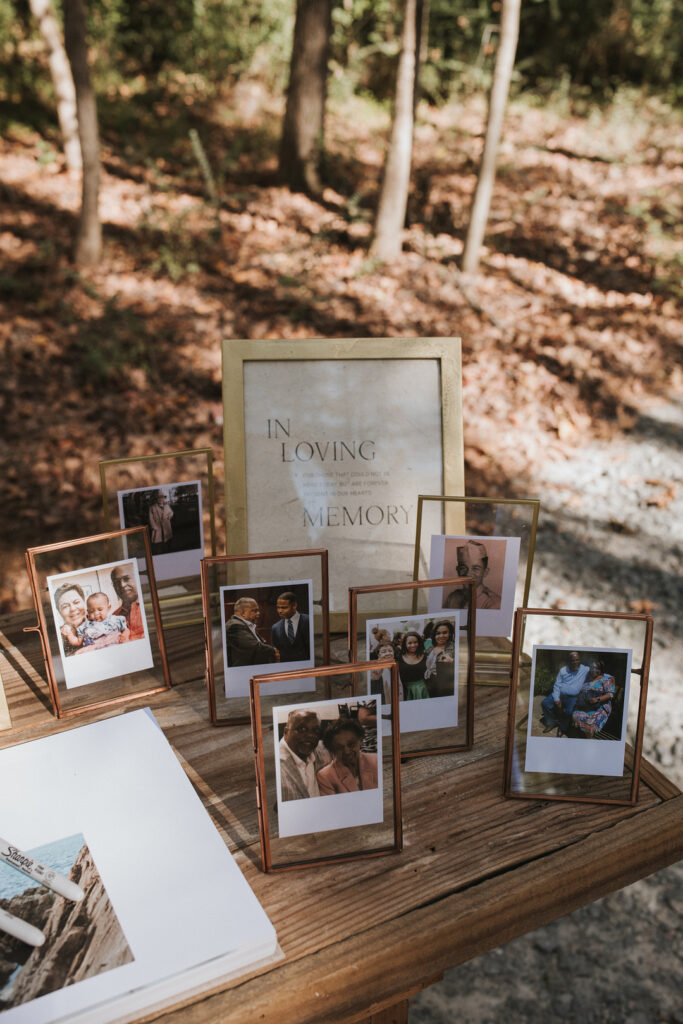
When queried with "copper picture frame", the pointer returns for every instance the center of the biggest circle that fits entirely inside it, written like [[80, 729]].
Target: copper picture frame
[[344, 822], [570, 735], [331, 468], [477, 518], [433, 721], [266, 578], [98, 620], [185, 480]]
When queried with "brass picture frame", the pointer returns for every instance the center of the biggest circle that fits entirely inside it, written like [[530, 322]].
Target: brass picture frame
[[98, 653], [439, 723], [185, 475], [569, 735], [338, 824], [265, 577], [482, 517], [315, 453]]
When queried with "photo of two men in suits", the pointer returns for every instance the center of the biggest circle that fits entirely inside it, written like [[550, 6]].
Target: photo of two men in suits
[[267, 624]]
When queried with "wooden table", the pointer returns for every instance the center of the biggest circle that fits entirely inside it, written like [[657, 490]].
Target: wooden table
[[360, 938]]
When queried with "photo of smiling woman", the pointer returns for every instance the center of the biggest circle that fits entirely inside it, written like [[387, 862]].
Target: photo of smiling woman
[[101, 625]]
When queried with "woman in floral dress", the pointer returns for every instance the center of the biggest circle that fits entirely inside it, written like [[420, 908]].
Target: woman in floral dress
[[594, 704]]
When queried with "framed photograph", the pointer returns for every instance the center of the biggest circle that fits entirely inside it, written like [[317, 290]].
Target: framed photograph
[[101, 627], [98, 619], [578, 695], [263, 625], [317, 451], [172, 495], [492, 563], [506, 530], [173, 514], [423, 647], [267, 612], [344, 787], [576, 717], [328, 778], [434, 657]]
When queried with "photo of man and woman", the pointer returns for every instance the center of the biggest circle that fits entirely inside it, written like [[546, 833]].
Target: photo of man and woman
[[425, 649], [578, 700], [98, 614], [265, 626], [492, 563], [173, 515], [327, 750]]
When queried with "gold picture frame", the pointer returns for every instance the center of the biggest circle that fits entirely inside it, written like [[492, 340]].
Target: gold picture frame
[[481, 518], [98, 620], [316, 454], [125, 482]]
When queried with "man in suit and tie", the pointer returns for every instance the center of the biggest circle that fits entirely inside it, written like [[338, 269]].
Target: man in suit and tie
[[245, 646], [291, 633]]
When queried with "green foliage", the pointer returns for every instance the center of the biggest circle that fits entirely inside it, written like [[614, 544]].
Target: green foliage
[[211, 39], [602, 44]]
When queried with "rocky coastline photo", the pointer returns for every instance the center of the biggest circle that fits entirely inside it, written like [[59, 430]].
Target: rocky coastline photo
[[81, 939]]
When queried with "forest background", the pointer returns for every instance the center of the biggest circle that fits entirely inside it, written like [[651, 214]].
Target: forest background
[[570, 327]]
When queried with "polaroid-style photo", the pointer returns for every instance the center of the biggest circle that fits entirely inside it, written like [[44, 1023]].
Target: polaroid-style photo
[[425, 649], [492, 563], [328, 765], [173, 514], [100, 622], [82, 939], [266, 627], [578, 700]]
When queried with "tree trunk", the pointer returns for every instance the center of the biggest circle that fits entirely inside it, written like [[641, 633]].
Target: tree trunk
[[421, 46], [393, 200], [502, 73], [301, 146], [88, 246], [44, 13]]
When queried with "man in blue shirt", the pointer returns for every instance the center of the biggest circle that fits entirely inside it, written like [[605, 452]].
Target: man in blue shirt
[[559, 704]]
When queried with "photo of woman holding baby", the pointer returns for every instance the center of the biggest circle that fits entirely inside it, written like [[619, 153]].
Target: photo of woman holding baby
[[88, 623], [98, 612]]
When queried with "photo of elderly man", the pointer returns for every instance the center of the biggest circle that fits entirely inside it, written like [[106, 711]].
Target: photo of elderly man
[[559, 704], [244, 646], [302, 755]]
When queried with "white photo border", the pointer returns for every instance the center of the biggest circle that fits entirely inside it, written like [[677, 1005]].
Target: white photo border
[[490, 621], [577, 756], [436, 712], [236, 679], [109, 662], [174, 564], [339, 810]]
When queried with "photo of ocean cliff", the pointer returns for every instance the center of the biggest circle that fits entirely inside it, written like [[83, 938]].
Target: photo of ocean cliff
[[81, 939]]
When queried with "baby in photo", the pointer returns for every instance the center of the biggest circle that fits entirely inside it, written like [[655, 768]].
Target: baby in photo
[[101, 628]]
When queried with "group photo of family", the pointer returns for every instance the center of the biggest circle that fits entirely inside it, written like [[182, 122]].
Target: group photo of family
[[424, 648], [578, 693], [173, 515], [96, 611]]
